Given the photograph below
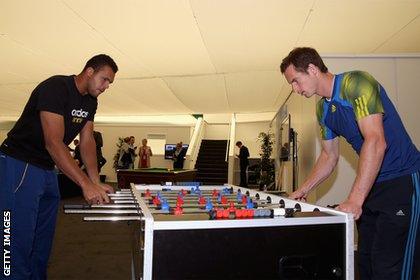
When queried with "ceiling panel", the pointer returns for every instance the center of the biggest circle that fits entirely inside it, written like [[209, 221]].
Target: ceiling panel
[[249, 35], [55, 34], [201, 93], [356, 26], [16, 93], [141, 97], [405, 41], [253, 91], [161, 34], [20, 64], [13, 98]]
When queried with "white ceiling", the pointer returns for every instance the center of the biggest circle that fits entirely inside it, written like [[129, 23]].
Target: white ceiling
[[196, 56]]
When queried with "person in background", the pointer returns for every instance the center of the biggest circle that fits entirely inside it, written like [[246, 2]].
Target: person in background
[[243, 162], [99, 144], [58, 109], [179, 156], [145, 152], [77, 156], [132, 151], [125, 158], [284, 156], [385, 195]]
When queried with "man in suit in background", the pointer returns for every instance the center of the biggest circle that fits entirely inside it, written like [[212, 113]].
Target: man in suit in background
[[243, 162]]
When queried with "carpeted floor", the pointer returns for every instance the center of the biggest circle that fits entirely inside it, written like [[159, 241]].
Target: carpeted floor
[[89, 250]]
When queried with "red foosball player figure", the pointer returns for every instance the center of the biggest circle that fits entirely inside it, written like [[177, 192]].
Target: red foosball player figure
[[244, 199], [147, 193], [201, 200], [224, 200], [178, 210], [156, 201], [179, 200]]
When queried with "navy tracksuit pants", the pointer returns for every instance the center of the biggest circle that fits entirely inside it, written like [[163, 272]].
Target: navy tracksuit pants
[[29, 198], [389, 230]]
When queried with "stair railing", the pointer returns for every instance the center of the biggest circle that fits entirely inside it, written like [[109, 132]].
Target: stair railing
[[227, 143], [195, 143], [230, 148]]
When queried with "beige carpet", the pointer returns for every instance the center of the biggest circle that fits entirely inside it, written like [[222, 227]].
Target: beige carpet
[[89, 250]]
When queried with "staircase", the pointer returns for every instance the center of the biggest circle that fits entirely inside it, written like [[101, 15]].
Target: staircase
[[212, 169]]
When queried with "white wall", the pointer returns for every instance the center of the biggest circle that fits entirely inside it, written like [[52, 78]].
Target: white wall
[[216, 131], [110, 134], [408, 95]]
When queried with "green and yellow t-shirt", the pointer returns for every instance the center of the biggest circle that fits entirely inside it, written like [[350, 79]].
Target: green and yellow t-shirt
[[357, 95]]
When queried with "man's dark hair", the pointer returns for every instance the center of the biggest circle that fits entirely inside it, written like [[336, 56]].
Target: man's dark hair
[[99, 61], [301, 58], [238, 143]]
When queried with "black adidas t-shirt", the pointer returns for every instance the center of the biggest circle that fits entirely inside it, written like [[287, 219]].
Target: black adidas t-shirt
[[59, 95]]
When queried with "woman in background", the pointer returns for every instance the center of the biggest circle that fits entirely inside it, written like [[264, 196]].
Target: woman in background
[[145, 153]]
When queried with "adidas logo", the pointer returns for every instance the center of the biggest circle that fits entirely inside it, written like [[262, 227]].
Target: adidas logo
[[79, 113], [400, 213]]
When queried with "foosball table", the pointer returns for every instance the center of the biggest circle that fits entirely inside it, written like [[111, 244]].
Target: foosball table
[[228, 232]]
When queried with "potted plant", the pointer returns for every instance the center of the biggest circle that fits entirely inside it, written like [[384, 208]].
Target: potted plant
[[266, 165]]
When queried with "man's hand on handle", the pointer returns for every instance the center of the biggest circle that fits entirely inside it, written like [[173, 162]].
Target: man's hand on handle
[[351, 207], [97, 193], [299, 195], [347, 206]]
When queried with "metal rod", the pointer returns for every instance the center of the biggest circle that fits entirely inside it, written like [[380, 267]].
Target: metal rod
[[99, 211], [126, 201], [125, 197], [86, 206], [112, 218], [119, 194], [123, 191], [115, 206]]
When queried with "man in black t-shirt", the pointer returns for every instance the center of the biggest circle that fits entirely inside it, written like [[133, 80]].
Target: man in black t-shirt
[[58, 109]]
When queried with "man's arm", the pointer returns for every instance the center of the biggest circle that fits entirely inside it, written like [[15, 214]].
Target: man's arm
[[324, 166], [370, 161], [88, 153], [53, 130]]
